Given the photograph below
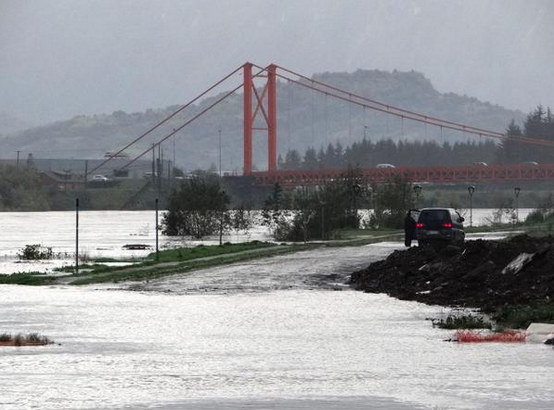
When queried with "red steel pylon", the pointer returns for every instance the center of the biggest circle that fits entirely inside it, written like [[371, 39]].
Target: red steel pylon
[[268, 110]]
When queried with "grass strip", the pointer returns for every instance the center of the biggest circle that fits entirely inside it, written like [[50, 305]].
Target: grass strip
[[175, 255], [153, 273], [26, 278], [203, 251]]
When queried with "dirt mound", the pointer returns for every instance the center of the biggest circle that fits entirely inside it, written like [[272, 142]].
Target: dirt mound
[[481, 274]]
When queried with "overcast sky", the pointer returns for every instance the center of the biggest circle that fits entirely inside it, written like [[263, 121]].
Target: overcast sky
[[61, 58]]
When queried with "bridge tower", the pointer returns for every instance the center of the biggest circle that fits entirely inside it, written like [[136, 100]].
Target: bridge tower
[[266, 104]]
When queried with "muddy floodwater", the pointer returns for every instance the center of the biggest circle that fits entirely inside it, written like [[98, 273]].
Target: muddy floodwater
[[266, 334], [103, 234]]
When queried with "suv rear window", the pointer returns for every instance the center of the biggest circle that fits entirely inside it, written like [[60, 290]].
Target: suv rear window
[[434, 218]]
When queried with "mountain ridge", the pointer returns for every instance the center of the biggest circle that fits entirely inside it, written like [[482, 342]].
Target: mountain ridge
[[304, 119]]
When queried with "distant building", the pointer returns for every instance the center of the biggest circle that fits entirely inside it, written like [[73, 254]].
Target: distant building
[[61, 181], [76, 168]]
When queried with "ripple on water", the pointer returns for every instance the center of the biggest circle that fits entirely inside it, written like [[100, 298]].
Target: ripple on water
[[150, 349]]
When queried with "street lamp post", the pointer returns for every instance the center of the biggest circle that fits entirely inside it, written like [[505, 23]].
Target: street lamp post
[[77, 235], [517, 190], [220, 153], [417, 191], [221, 216], [322, 203], [157, 231], [471, 190], [357, 190]]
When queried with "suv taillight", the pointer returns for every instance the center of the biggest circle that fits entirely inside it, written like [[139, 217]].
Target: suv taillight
[[419, 225], [447, 225]]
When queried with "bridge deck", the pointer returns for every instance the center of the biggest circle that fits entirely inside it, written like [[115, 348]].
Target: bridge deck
[[461, 174]]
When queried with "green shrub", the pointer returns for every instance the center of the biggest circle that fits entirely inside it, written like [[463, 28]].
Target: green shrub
[[5, 337], [521, 317], [535, 217], [35, 252], [462, 322], [18, 339]]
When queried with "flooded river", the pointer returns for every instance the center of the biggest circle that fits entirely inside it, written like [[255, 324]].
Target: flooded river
[[265, 334], [103, 234]]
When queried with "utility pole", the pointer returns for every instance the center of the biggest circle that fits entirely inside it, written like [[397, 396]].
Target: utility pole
[[517, 190], [174, 147], [158, 175], [76, 235], [322, 203], [17, 161], [162, 163], [157, 248], [220, 152], [221, 216], [86, 173], [169, 176], [153, 164], [159, 168]]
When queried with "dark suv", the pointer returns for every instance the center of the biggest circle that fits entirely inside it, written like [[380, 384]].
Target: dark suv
[[439, 225]]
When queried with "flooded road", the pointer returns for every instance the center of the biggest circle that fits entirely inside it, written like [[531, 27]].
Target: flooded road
[[324, 268], [236, 337]]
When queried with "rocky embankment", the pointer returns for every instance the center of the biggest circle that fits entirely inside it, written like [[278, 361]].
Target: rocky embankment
[[480, 274]]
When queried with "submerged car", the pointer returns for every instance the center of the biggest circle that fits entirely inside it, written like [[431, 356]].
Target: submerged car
[[440, 225]]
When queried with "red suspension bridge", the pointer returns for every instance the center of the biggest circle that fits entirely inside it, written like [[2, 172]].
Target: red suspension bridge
[[259, 88]]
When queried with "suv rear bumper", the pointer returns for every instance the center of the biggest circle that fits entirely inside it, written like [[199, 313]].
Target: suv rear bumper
[[441, 235]]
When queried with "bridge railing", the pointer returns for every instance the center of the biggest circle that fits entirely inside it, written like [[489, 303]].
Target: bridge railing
[[441, 174]]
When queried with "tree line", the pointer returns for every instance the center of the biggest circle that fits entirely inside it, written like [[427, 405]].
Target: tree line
[[366, 153], [539, 124], [200, 207]]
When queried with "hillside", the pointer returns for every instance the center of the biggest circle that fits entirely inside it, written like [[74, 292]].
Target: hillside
[[304, 119], [11, 124]]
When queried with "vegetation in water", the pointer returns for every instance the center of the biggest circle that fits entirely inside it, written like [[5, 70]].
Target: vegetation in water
[[462, 322], [316, 212], [21, 339], [200, 207], [35, 252], [325, 211]]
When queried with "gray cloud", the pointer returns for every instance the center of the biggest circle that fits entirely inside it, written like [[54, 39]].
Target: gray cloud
[[62, 58]]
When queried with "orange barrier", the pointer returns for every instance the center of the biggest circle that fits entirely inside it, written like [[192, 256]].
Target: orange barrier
[[508, 336]]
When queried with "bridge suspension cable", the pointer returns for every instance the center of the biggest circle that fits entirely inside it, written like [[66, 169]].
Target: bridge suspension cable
[[391, 109], [200, 114], [328, 91], [137, 139], [398, 112]]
